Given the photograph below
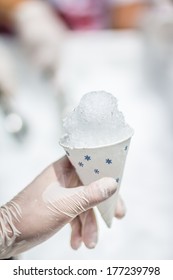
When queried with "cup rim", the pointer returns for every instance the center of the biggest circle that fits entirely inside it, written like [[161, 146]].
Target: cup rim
[[101, 146]]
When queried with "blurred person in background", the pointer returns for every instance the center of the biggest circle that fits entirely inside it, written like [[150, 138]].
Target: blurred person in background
[[37, 27], [41, 33], [42, 25]]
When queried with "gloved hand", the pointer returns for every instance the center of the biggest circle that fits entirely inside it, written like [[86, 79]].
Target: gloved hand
[[47, 204]]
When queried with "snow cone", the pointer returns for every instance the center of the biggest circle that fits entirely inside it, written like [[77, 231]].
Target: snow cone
[[96, 140]]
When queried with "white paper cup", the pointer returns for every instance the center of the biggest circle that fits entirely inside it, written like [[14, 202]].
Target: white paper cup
[[94, 163]]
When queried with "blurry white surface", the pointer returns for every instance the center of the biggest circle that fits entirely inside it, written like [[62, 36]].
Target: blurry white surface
[[110, 61]]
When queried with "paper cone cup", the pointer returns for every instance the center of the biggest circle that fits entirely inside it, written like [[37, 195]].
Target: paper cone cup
[[95, 163]]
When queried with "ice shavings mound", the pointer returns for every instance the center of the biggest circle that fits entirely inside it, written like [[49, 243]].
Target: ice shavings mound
[[95, 122]]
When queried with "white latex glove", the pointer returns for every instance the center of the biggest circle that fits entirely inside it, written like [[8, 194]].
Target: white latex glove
[[41, 32], [47, 204]]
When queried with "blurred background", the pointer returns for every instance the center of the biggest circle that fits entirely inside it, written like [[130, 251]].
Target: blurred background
[[51, 53]]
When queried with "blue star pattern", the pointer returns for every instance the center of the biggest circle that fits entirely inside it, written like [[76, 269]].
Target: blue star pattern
[[108, 161], [87, 157], [67, 153], [126, 147], [80, 164]]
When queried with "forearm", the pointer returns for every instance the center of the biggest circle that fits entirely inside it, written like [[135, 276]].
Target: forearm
[[41, 32], [22, 220], [6, 9]]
